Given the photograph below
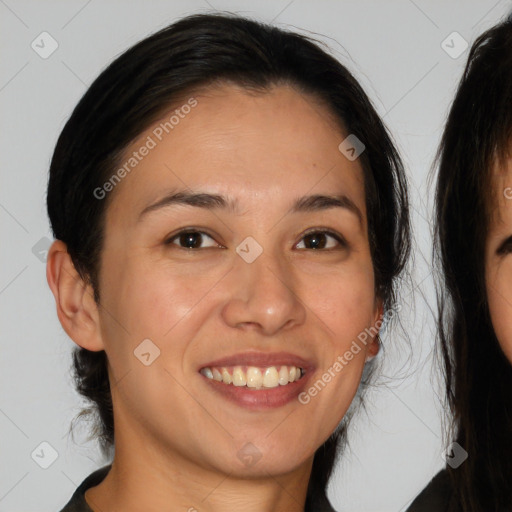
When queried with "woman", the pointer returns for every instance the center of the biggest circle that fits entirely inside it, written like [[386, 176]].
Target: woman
[[231, 220], [474, 227]]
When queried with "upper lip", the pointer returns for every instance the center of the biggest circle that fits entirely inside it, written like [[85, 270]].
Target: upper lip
[[262, 359]]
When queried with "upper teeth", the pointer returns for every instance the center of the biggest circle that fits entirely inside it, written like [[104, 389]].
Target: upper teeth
[[252, 376]]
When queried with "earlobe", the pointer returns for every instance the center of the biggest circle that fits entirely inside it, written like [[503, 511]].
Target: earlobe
[[76, 309], [373, 348]]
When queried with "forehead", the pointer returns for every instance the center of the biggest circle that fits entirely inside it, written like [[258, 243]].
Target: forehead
[[255, 146]]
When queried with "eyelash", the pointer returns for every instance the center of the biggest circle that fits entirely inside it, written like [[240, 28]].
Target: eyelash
[[505, 248], [315, 231]]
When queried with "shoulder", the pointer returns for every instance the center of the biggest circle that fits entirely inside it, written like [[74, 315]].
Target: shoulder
[[435, 497], [77, 502]]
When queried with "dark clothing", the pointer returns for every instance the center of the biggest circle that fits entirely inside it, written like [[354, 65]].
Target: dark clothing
[[77, 502], [435, 497], [439, 495]]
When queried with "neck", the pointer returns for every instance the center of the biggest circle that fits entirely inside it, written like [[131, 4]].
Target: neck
[[146, 477]]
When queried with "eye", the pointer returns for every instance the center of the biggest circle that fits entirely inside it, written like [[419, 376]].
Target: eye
[[505, 247], [191, 239], [321, 239]]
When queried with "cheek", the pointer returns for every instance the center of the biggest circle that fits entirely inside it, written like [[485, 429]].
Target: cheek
[[346, 308], [499, 292], [344, 302], [149, 300], [144, 302], [141, 304]]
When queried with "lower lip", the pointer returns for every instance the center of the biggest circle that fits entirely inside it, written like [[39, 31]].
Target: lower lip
[[263, 398]]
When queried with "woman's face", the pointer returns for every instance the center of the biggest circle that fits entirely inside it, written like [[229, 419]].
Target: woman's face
[[499, 259], [253, 287]]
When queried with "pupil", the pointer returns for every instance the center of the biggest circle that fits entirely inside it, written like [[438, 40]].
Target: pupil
[[190, 240], [316, 240]]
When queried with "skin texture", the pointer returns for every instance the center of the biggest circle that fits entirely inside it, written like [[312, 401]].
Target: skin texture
[[176, 439], [499, 266]]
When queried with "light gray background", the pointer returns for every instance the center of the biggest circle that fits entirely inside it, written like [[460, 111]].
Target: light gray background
[[394, 49]]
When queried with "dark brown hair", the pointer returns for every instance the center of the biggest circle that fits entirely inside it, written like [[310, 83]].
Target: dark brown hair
[[478, 134]]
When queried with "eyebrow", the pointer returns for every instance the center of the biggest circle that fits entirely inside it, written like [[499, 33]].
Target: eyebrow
[[312, 203]]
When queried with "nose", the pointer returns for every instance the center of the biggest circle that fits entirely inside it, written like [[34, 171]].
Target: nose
[[263, 296]]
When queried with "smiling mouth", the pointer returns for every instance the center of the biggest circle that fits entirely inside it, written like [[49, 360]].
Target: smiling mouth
[[254, 377]]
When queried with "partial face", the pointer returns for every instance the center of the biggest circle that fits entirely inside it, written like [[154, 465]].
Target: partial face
[[238, 245], [499, 260]]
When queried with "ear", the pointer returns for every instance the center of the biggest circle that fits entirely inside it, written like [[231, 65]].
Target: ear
[[76, 307], [374, 344]]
